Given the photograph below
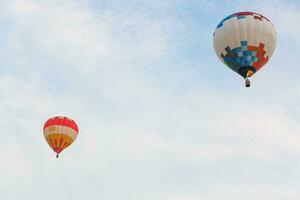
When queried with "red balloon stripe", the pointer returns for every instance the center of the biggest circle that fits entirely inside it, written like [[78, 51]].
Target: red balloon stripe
[[62, 121]]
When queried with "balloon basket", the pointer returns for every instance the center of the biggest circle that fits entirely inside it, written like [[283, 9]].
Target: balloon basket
[[247, 82]]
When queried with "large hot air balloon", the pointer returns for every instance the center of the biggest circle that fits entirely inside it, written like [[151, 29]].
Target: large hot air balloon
[[245, 42], [60, 132]]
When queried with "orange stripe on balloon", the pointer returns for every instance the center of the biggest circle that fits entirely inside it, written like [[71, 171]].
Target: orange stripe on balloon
[[60, 142], [55, 143], [50, 142], [65, 145]]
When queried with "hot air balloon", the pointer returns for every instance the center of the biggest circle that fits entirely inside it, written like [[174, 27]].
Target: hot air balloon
[[60, 132], [245, 42]]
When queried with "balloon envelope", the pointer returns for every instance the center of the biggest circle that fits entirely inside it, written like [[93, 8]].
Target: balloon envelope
[[60, 132], [245, 42]]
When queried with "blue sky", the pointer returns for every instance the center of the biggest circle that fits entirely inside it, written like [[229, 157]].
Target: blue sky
[[160, 117]]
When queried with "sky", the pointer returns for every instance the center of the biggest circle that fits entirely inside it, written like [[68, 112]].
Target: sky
[[159, 116]]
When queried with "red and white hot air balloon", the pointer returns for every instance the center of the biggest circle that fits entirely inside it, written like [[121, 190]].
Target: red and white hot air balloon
[[60, 132]]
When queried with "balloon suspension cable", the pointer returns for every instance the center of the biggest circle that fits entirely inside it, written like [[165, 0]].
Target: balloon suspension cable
[[247, 82], [56, 155]]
